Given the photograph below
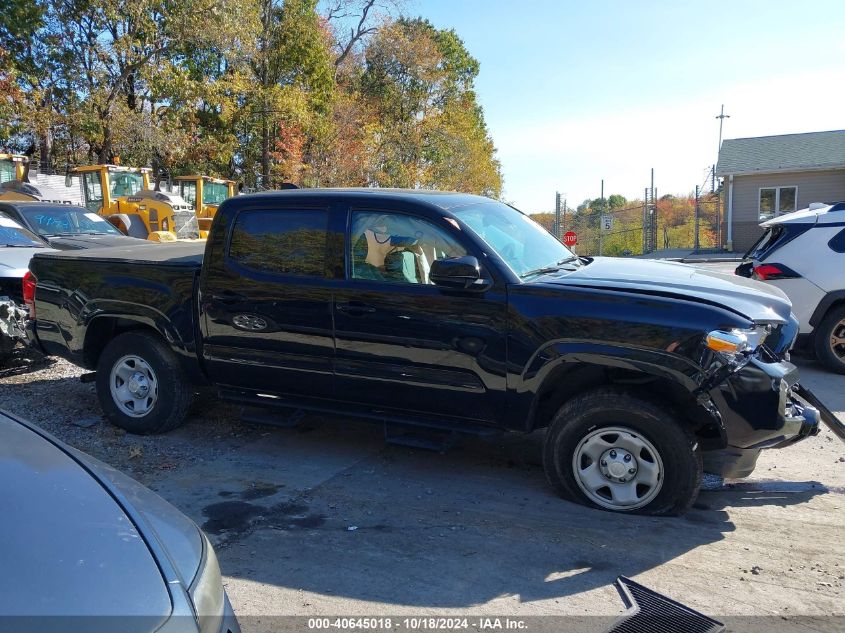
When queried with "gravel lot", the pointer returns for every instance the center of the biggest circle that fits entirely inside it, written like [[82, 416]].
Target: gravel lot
[[326, 518]]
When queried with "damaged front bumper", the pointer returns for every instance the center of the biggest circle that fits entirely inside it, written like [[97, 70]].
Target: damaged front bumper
[[761, 406]]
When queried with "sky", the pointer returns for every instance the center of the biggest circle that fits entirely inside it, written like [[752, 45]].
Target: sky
[[577, 92]]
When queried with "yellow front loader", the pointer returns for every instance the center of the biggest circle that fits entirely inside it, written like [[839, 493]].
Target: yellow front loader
[[12, 167], [205, 194], [123, 196], [15, 183]]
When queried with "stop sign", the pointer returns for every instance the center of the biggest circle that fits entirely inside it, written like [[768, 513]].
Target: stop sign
[[570, 238]]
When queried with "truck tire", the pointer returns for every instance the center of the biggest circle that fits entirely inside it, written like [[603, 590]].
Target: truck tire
[[829, 340], [613, 450], [141, 385]]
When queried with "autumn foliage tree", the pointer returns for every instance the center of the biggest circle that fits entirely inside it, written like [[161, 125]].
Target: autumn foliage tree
[[265, 91]]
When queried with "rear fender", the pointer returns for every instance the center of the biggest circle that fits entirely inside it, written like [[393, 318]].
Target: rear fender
[[830, 300], [142, 315], [129, 317]]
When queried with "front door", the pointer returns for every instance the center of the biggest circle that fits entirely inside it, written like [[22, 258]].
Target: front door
[[267, 304], [403, 343]]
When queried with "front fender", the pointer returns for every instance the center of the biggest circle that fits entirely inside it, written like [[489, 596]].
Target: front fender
[[565, 368], [556, 354]]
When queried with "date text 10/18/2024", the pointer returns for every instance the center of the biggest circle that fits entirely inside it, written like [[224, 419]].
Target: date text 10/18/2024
[[426, 623]]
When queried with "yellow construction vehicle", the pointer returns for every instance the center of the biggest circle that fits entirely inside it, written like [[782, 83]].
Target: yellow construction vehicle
[[205, 194], [123, 195], [12, 167], [16, 183]]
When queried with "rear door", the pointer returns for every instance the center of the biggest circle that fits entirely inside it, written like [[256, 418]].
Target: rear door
[[267, 304]]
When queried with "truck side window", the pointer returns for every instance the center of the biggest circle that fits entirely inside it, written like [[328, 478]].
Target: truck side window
[[283, 242], [397, 248]]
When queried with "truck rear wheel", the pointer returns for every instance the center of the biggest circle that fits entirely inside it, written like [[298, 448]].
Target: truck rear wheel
[[830, 340], [612, 450], [140, 384]]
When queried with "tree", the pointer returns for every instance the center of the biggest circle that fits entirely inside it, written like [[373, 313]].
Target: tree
[[262, 90], [616, 201], [431, 130]]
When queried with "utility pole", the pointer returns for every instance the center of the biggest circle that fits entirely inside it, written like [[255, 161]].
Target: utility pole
[[697, 215], [653, 216], [645, 221], [556, 224], [722, 116], [601, 213], [563, 226]]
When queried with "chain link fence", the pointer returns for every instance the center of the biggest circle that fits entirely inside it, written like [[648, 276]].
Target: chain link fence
[[641, 228]]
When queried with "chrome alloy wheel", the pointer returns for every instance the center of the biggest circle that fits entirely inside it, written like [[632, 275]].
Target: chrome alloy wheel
[[617, 468], [133, 385], [837, 340]]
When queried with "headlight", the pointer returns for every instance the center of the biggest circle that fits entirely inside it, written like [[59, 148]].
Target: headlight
[[736, 343], [207, 591]]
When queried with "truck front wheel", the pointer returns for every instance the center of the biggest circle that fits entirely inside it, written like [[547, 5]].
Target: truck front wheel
[[140, 384], [612, 450]]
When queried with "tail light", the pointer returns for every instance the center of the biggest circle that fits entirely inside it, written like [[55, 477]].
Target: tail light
[[29, 282], [769, 272]]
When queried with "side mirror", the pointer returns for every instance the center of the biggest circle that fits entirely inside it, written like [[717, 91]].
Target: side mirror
[[458, 273]]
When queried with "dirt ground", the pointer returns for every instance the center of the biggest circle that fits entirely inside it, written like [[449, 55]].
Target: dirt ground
[[325, 518]]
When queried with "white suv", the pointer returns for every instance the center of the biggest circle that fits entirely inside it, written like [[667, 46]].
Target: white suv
[[803, 254]]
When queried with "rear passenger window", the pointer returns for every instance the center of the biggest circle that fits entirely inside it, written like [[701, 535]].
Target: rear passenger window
[[282, 242], [837, 243]]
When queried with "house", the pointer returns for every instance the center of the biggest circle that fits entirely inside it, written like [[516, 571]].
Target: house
[[766, 176]]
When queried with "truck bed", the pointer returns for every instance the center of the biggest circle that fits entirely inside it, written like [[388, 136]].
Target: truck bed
[[99, 290], [187, 254]]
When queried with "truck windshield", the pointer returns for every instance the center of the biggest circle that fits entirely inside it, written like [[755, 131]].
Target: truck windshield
[[125, 183], [13, 234], [188, 191], [525, 246], [68, 221], [214, 192]]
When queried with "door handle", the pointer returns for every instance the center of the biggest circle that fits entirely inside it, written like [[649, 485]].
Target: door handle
[[354, 308], [228, 297]]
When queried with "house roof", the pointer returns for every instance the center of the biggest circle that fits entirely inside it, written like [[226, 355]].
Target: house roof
[[787, 152]]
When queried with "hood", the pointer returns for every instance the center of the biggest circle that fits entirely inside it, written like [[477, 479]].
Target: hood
[[75, 242], [70, 549], [752, 299], [14, 261]]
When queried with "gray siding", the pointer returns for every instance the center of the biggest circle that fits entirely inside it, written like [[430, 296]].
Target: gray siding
[[813, 186]]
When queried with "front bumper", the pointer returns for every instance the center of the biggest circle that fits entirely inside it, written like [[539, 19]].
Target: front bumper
[[760, 407]]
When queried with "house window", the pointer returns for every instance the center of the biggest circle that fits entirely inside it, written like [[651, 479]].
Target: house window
[[777, 200]]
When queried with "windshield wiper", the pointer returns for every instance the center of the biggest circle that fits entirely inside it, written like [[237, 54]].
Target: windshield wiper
[[22, 245], [550, 269]]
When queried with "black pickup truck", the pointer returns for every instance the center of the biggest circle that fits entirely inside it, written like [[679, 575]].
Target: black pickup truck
[[447, 311]]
